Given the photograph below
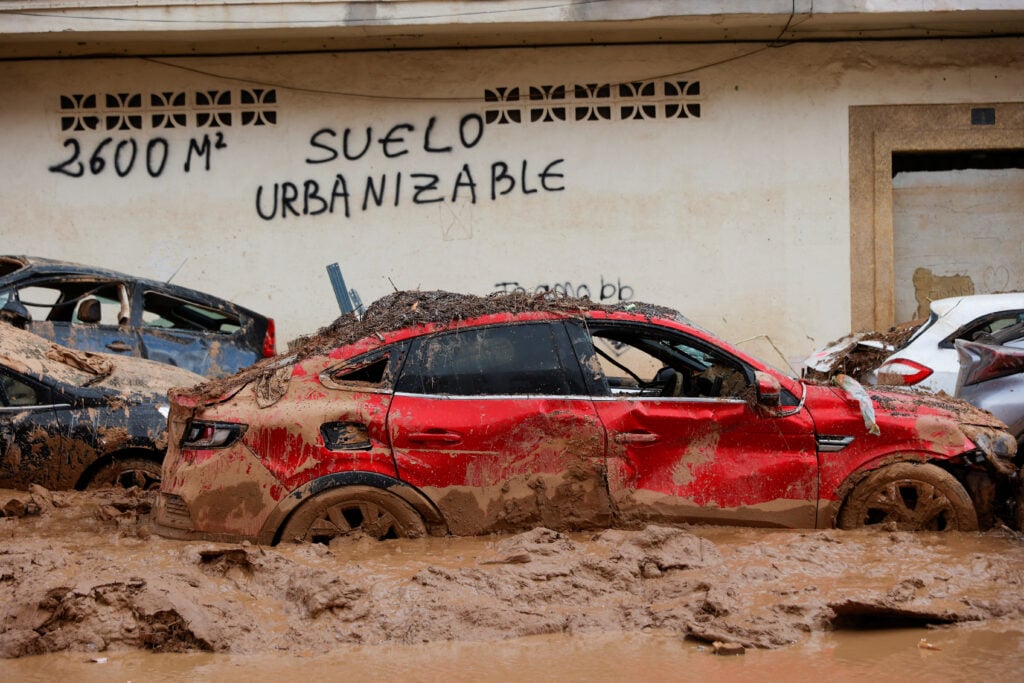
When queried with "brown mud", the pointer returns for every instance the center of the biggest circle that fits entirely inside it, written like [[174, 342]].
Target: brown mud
[[85, 575]]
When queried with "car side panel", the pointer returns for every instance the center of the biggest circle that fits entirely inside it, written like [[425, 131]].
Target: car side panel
[[31, 444], [503, 463], [709, 460], [205, 354]]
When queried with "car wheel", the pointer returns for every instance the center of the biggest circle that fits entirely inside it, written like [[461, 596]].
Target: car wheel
[[353, 510], [127, 472], [910, 497]]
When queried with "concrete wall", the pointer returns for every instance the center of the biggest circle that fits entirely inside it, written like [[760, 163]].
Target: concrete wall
[[739, 217]]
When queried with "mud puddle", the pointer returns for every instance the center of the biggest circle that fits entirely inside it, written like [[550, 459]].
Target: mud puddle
[[84, 578], [964, 653]]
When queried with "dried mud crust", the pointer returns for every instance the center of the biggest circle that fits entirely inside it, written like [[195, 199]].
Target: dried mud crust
[[410, 308], [84, 575]]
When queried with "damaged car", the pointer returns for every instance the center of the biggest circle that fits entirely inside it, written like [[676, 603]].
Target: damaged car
[[439, 413], [992, 377], [103, 311], [74, 419], [923, 354]]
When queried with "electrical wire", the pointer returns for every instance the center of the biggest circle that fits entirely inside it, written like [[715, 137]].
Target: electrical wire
[[318, 22], [367, 96]]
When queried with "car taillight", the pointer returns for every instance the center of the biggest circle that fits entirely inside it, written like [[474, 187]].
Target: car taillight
[[270, 340], [200, 434], [981, 362], [902, 372]]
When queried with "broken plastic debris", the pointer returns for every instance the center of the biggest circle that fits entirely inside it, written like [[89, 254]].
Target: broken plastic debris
[[867, 409], [923, 644]]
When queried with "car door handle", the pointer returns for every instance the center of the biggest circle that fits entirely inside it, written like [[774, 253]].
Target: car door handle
[[636, 437], [119, 346], [435, 437]]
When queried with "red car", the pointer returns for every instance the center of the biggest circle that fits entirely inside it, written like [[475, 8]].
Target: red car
[[447, 414]]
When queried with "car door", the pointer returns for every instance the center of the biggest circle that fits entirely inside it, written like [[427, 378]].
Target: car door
[[189, 334], [31, 434], [494, 424], [90, 314], [687, 440]]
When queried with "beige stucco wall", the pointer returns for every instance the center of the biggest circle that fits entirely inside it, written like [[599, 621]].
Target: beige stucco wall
[[740, 218]]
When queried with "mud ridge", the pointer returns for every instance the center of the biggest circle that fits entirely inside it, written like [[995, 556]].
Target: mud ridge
[[86, 576]]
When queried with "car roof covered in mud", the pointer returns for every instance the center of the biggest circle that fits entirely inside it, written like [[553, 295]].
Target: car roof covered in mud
[[85, 372], [432, 311]]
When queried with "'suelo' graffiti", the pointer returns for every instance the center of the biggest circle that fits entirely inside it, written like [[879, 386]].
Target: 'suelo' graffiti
[[348, 192]]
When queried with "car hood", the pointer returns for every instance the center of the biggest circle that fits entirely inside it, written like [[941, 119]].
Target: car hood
[[897, 402]]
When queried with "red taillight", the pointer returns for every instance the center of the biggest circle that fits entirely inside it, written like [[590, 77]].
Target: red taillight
[[270, 340], [202, 435], [981, 362], [902, 373]]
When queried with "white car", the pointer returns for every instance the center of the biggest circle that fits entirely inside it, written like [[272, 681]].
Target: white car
[[929, 359]]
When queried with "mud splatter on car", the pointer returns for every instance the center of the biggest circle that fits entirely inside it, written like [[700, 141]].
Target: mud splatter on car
[[72, 419]]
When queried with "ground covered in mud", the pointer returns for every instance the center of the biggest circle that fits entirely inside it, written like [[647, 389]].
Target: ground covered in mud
[[80, 572]]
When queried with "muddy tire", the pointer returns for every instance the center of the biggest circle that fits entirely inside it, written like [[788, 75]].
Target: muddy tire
[[126, 473], [353, 510], [909, 497]]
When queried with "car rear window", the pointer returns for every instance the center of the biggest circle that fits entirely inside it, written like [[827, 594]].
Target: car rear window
[[173, 313]]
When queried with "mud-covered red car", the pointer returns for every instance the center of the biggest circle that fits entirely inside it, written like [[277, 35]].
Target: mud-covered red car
[[445, 414], [73, 419]]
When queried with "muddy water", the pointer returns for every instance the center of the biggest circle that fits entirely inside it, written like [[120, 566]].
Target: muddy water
[[968, 653], [85, 580]]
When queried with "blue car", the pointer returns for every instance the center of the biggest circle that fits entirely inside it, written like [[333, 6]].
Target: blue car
[[98, 310]]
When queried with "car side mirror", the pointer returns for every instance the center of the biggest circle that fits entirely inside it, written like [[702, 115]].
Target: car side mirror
[[769, 391]]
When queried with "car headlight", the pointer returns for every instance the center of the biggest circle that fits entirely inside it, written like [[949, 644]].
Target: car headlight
[[997, 445]]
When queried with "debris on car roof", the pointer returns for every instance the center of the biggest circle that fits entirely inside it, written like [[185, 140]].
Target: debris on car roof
[[409, 308], [856, 355]]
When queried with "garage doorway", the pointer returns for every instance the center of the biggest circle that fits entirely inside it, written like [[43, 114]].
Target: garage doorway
[[958, 226], [936, 191]]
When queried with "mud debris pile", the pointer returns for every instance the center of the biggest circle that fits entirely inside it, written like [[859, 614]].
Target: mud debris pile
[[80, 578], [408, 308]]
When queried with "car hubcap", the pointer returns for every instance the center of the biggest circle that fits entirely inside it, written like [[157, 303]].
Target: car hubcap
[[912, 505], [345, 519]]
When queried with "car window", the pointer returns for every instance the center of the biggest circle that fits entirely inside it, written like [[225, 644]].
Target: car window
[[17, 393], [640, 362], [370, 372], [39, 301], [526, 359], [80, 302], [170, 312], [998, 328]]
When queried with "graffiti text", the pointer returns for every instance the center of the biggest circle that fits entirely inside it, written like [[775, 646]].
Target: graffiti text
[[128, 154], [609, 290]]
